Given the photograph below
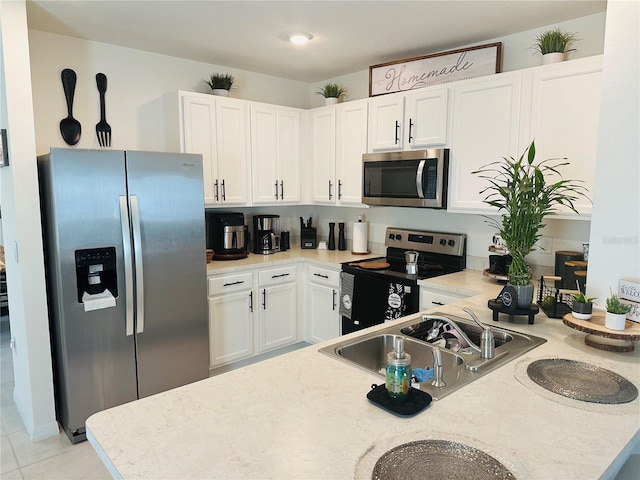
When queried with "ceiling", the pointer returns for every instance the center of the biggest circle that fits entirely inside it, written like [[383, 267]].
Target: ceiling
[[348, 36]]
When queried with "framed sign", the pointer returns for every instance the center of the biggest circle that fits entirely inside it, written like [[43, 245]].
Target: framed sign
[[420, 72], [4, 150]]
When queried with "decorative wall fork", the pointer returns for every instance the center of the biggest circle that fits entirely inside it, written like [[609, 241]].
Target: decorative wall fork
[[103, 129]]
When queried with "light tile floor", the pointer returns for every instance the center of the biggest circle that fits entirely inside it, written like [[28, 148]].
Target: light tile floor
[[54, 458]]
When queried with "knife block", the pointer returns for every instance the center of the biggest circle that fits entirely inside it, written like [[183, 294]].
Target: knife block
[[308, 238]]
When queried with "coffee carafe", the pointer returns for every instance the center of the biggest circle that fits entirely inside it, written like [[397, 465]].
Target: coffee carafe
[[264, 227]]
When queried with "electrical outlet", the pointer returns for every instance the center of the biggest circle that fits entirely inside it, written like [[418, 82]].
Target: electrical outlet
[[545, 245]]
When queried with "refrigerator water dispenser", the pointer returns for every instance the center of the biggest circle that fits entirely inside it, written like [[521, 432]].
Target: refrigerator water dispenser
[[96, 277]]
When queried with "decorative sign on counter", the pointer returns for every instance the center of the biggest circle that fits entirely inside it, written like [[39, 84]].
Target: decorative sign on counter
[[629, 293], [443, 67]]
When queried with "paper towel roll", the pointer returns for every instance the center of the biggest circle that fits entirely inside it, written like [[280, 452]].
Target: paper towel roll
[[360, 240]]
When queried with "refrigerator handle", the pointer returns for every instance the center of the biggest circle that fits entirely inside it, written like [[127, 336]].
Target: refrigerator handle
[[128, 266], [137, 250]]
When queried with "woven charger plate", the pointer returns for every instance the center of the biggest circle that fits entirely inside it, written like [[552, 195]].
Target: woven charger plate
[[581, 381], [438, 459]]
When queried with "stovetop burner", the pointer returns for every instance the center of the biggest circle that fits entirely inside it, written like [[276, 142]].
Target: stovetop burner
[[438, 253]]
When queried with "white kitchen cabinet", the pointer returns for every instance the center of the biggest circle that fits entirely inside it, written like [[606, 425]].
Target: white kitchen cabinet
[[485, 127], [339, 139], [322, 309], [231, 324], [323, 155], [217, 129], [563, 111], [278, 308], [404, 121], [351, 144], [275, 154], [435, 298]]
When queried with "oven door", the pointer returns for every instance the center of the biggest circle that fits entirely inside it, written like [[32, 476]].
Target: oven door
[[368, 298], [406, 179]]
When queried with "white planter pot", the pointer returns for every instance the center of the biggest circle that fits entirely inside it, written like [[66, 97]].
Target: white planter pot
[[615, 321], [330, 101], [554, 57], [221, 92]]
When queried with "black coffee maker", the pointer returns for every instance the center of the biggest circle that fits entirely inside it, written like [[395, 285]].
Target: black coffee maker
[[264, 235]]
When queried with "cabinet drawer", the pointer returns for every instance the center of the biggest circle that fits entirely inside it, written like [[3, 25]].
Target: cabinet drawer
[[229, 283], [323, 276], [276, 276]]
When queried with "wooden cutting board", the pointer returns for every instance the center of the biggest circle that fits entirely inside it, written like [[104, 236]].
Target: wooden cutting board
[[371, 265]]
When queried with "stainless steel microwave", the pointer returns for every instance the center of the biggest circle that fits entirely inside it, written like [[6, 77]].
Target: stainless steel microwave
[[416, 178]]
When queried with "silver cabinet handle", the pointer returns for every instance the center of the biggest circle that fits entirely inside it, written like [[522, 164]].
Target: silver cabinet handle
[[128, 266], [137, 258]]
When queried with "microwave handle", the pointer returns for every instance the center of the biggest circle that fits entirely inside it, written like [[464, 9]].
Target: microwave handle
[[419, 176]]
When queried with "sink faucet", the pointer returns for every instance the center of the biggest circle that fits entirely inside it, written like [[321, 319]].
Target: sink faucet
[[487, 341], [437, 368]]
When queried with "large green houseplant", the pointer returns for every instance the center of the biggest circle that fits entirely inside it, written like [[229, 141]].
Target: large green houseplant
[[525, 192]]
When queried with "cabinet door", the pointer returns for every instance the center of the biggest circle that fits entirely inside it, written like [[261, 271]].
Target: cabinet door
[[277, 317], [264, 154], [426, 119], [323, 313], [385, 122], [565, 110], [199, 130], [323, 154], [351, 137], [485, 127], [230, 327], [233, 160], [289, 155]]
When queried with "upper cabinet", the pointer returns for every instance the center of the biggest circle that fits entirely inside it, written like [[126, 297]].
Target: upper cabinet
[[275, 154], [563, 113], [216, 128], [403, 121], [338, 141], [485, 127]]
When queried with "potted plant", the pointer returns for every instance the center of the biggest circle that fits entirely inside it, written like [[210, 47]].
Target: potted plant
[[331, 92], [220, 84], [552, 44], [525, 192], [582, 308], [616, 315]]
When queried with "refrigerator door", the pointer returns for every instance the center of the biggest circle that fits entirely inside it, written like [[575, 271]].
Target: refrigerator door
[[94, 359], [166, 202]]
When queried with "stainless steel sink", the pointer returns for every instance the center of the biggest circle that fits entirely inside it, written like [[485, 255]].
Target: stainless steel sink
[[462, 363]]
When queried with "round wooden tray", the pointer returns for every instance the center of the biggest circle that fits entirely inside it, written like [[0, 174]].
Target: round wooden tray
[[496, 276], [601, 337]]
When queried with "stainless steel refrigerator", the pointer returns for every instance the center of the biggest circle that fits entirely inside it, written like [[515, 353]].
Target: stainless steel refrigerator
[[124, 236]]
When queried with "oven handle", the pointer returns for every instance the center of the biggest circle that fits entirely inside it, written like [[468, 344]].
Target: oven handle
[[419, 178]]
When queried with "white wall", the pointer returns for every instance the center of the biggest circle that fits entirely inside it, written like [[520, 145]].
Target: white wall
[[516, 53], [615, 228], [134, 78], [33, 391]]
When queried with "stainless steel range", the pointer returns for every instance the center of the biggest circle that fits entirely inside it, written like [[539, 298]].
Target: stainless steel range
[[385, 288]]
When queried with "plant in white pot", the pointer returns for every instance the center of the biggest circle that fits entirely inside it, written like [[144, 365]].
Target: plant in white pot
[[220, 83], [524, 192], [582, 307], [331, 92], [616, 315], [552, 44]]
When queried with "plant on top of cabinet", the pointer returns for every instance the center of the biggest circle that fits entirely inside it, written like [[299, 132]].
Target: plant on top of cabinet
[[552, 44], [331, 92], [220, 83], [525, 192]]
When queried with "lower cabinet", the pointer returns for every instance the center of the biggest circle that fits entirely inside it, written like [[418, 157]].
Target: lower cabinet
[[430, 299], [231, 325], [322, 309], [278, 309]]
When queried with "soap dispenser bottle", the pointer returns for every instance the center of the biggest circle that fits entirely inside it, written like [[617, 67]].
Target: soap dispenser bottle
[[398, 372]]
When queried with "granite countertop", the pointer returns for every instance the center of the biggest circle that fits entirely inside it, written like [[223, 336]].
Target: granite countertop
[[305, 415]]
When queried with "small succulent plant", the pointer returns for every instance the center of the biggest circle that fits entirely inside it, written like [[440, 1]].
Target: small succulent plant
[[220, 81], [553, 41], [332, 90], [614, 305]]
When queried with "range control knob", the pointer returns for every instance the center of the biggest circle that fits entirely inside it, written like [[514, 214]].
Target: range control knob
[[443, 242], [451, 243], [398, 236]]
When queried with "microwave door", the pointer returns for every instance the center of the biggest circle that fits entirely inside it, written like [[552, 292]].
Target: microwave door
[[419, 177]]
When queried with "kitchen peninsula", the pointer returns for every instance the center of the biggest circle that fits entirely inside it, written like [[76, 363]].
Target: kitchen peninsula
[[304, 415]]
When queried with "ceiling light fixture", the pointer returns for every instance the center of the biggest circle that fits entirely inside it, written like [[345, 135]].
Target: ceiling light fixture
[[300, 38]]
